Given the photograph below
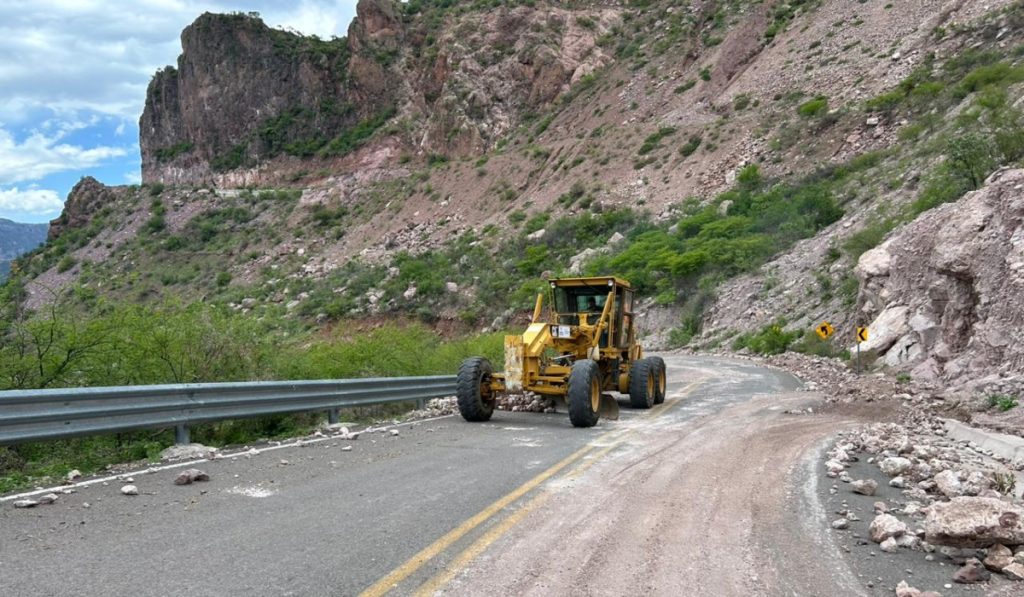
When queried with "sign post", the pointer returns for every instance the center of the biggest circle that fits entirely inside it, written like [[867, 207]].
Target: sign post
[[862, 336]]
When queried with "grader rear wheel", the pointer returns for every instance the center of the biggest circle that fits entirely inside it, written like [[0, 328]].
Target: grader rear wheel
[[473, 389], [584, 395], [642, 386], [660, 382]]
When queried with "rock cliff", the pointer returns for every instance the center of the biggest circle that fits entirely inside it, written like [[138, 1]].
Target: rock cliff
[[243, 93], [942, 295]]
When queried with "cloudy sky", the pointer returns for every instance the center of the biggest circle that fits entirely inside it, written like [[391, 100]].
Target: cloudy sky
[[73, 76]]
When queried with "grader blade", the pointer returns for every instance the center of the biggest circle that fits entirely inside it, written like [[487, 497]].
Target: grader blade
[[609, 407]]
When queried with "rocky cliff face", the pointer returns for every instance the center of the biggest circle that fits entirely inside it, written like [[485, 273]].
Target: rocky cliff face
[[243, 93], [85, 198], [943, 294]]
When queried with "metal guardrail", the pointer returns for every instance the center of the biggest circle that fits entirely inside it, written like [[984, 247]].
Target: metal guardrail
[[34, 415]]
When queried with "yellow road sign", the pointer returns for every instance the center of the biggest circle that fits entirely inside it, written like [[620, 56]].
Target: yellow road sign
[[862, 334], [824, 330]]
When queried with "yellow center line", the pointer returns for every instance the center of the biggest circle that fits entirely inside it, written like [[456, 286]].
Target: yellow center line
[[470, 553], [413, 564], [417, 561]]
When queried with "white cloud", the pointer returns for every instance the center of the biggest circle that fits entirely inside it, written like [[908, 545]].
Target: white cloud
[[40, 155], [63, 55], [30, 201], [133, 177]]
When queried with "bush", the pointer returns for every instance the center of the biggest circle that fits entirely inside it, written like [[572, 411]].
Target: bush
[[815, 107], [690, 146], [771, 339]]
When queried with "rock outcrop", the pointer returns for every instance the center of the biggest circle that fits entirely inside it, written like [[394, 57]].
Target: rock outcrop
[[945, 295], [243, 93], [86, 198]]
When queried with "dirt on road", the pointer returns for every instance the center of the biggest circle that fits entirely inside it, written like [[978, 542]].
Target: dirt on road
[[706, 507]]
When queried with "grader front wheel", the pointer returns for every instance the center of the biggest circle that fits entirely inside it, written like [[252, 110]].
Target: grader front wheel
[[584, 395], [473, 389]]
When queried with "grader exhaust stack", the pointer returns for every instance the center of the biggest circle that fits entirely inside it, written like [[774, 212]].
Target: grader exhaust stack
[[584, 348]]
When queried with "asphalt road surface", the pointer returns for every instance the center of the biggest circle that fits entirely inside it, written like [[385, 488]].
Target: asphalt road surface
[[712, 493]]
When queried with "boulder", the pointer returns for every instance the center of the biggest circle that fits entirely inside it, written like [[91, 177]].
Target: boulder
[[999, 557], [971, 573], [864, 486], [974, 522], [187, 476], [895, 466], [889, 545], [1014, 571], [886, 526], [948, 484]]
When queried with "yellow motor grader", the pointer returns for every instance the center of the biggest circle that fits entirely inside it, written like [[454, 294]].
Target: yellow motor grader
[[585, 347]]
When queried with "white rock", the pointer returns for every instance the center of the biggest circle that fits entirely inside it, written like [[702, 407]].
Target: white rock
[[895, 466], [864, 486], [949, 484], [25, 503], [48, 498], [889, 545], [73, 476], [130, 490], [885, 526]]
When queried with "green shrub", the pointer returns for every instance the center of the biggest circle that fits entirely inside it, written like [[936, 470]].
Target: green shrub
[[771, 339], [690, 146], [815, 107], [653, 140], [868, 237]]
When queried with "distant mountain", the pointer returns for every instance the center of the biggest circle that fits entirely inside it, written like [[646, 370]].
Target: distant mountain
[[16, 239]]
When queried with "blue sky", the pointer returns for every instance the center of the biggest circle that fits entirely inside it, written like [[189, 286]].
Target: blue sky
[[73, 76]]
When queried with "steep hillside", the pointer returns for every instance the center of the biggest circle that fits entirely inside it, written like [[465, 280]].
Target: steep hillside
[[16, 239], [734, 159]]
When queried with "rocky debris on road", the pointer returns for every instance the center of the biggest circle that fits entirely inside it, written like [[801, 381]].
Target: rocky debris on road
[[188, 452], [48, 498], [72, 476], [130, 490], [958, 500], [25, 503], [188, 476], [393, 432], [437, 407], [526, 402]]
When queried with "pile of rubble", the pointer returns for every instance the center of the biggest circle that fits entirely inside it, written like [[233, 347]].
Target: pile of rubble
[[526, 402], [437, 407], [959, 501]]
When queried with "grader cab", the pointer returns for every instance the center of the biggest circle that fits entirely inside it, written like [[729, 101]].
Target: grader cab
[[585, 346]]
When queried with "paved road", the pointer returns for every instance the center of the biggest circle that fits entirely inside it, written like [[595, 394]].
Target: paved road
[[691, 498]]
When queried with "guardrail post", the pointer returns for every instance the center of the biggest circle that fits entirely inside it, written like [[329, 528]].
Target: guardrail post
[[332, 416], [421, 404], [181, 435]]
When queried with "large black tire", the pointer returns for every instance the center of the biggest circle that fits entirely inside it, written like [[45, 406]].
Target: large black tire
[[641, 383], [660, 379], [475, 400], [584, 396]]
